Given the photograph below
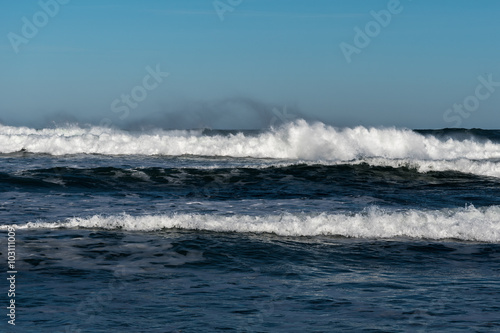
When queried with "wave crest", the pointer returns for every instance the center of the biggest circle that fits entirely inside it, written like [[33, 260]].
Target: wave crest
[[468, 224], [298, 140]]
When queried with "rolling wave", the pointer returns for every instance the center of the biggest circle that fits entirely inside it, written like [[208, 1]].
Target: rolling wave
[[297, 142], [300, 174], [467, 224]]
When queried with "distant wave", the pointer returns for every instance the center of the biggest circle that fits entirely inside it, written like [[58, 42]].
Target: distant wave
[[298, 140], [317, 143], [468, 224]]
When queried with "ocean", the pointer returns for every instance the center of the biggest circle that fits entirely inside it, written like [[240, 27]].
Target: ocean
[[300, 228]]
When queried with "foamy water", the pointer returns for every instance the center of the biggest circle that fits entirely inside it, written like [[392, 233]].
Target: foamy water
[[298, 140], [468, 224], [305, 227]]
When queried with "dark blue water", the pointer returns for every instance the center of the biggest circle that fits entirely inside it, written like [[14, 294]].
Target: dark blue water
[[340, 234]]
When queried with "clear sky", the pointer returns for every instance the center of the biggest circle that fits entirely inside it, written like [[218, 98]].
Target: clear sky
[[231, 62]]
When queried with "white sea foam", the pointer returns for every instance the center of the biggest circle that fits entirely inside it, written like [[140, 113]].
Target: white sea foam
[[298, 140], [470, 224], [295, 141], [490, 168], [477, 167]]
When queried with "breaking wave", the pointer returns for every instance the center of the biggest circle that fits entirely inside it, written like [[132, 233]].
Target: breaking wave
[[316, 143], [466, 224]]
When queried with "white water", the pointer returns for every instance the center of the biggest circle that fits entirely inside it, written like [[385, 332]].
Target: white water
[[490, 168], [316, 143], [298, 140], [468, 224]]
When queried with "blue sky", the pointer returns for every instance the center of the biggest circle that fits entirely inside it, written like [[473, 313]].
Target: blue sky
[[264, 54]]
